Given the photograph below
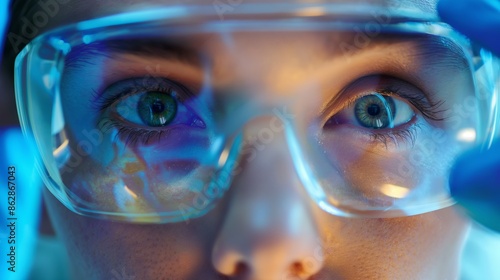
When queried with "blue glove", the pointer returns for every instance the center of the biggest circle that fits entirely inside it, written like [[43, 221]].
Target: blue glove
[[475, 184], [475, 178]]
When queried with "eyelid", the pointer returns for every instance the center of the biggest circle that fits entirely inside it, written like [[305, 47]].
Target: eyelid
[[129, 127], [143, 48], [131, 86]]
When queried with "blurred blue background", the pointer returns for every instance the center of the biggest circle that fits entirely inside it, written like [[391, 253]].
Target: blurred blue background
[[15, 152]]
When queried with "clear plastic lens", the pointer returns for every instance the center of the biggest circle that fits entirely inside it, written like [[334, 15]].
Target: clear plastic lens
[[152, 128]]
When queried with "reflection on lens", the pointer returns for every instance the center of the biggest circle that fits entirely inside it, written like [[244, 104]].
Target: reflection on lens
[[394, 191]]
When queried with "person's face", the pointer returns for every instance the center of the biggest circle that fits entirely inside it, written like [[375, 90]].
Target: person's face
[[266, 226]]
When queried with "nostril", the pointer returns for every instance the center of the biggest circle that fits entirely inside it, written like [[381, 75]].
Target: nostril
[[241, 269], [295, 272], [297, 268], [302, 270]]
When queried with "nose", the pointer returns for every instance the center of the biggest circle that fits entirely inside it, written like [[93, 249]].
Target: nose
[[269, 230]]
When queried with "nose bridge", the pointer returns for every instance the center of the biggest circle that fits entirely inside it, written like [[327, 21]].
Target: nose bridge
[[269, 175], [264, 141], [269, 226], [266, 162]]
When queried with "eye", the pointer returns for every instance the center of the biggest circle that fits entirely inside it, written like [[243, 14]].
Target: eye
[[374, 111], [149, 113], [378, 102], [153, 107], [156, 108]]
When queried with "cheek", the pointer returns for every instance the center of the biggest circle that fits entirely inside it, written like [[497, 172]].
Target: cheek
[[420, 245], [97, 248], [400, 167]]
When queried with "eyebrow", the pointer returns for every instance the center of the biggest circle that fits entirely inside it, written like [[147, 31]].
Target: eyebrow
[[431, 49], [434, 49], [144, 48]]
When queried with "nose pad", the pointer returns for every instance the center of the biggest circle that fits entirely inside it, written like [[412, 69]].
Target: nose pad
[[269, 231]]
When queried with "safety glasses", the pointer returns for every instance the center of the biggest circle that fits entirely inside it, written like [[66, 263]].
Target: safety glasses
[[147, 116]]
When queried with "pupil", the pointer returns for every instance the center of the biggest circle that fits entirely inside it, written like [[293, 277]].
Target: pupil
[[373, 109], [157, 107]]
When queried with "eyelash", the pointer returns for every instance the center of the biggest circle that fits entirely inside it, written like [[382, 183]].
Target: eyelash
[[407, 134], [403, 135], [102, 103], [131, 135]]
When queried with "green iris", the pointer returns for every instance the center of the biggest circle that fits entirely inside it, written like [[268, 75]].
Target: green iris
[[157, 108], [373, 111]]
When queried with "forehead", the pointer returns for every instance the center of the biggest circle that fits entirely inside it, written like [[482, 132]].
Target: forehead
[[70, 11]]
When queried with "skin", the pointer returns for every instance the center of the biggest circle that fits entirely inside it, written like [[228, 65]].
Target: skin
[[266, 226]]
